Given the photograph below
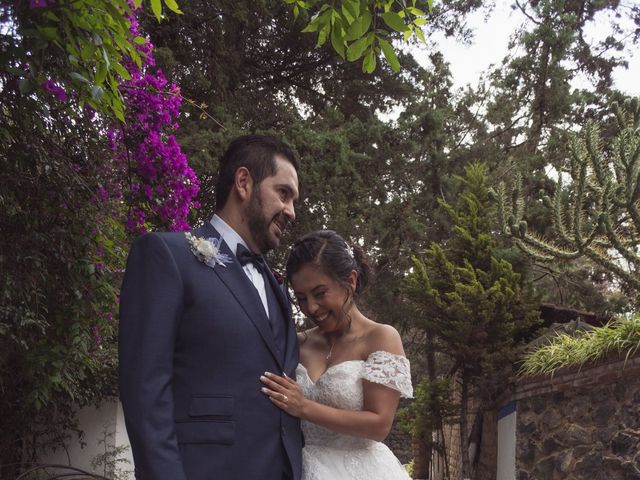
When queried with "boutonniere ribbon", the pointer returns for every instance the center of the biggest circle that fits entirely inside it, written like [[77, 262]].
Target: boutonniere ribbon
[[207, 250]]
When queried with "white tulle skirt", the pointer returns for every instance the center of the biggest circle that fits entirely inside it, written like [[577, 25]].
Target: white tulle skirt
[[373, 462]]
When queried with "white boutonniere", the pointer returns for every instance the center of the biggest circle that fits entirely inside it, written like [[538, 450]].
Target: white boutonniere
[[207, 250]]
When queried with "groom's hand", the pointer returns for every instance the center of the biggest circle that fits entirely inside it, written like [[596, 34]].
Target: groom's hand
[[284, 392]]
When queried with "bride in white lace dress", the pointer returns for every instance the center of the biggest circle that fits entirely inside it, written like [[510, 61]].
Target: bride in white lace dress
[[352, 370]]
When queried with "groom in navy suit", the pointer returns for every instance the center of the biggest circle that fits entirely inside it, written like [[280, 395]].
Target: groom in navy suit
[[201, 319]]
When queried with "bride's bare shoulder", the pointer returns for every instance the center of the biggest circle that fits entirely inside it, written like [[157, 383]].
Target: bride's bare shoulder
[[383, 337]]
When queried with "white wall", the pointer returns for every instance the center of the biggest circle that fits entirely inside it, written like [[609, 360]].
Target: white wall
[[507, 443], [101, 425]]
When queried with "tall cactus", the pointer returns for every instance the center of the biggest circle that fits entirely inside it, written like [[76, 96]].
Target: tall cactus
[[597, 213]]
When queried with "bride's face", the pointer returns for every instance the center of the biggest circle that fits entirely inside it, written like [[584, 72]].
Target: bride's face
[[321, 298]]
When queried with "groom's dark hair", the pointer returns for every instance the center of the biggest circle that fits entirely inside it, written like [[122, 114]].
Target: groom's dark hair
[[257, 154]]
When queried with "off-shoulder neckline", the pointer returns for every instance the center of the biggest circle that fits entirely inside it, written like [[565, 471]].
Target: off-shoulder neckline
[[343, 362]]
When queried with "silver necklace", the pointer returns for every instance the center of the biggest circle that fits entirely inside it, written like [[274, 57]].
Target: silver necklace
[[330, 351]]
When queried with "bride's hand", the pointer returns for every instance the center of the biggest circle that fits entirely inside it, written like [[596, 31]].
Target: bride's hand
[[284, 392]]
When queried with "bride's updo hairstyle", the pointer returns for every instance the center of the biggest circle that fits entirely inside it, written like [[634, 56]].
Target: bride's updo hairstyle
[[333, 255]]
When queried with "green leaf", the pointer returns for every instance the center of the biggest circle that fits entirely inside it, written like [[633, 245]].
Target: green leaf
[[296, 12], [323, 34], [105, 57], [101, 74], [136, 58], [420, 35], [420, 21], [347, 14], [49, 15], [416, 11], [352, 7], [357, 48], [49, 33], [120, 70], [113, 83], [82, 23], [359, 27], [117, 108], [394, 21], [156, 7], [390, 55], [173, 6], [79, 77], [87, 51], [139, 40], [312, 26], [97, 92], [337, 40], [318, 22], [369, 62], [122, 43]]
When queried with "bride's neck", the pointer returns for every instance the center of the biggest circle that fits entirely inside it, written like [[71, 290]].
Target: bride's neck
[[351, 324]]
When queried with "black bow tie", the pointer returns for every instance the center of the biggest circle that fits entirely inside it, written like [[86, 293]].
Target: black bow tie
[[245, 256]]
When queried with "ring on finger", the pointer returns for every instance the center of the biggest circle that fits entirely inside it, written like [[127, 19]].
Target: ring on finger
[[285, 399]]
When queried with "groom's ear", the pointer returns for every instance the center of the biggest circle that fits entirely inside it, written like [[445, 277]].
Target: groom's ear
[[243, 183]]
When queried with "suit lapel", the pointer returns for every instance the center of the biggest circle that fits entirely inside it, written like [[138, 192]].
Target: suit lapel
[[233, 276]]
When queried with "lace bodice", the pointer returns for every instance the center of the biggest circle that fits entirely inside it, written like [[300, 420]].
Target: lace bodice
[[340, 386]]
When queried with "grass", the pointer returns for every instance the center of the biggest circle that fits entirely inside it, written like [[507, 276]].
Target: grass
[[619, 336]]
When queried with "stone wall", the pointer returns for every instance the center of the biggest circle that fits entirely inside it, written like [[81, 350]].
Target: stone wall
[[580, 424]]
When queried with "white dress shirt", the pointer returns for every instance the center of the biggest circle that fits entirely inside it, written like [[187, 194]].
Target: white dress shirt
[[232, 239]]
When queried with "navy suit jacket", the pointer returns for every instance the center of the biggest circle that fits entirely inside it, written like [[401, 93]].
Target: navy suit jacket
[[193, 343]]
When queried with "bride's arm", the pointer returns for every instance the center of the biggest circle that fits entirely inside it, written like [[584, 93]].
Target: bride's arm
[[379, 407], [373, 421]]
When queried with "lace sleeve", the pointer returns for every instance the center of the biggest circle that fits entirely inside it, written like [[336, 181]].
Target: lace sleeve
[[390, 370]]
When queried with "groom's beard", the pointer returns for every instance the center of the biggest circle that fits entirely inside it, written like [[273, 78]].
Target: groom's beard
[[259, 224]]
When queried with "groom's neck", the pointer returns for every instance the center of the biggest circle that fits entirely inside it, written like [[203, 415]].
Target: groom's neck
[[239, 223]]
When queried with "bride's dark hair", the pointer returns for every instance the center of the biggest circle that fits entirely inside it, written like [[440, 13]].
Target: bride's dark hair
[[333, 255]]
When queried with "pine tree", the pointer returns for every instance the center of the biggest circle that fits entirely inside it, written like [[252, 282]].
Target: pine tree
[[470, 300]]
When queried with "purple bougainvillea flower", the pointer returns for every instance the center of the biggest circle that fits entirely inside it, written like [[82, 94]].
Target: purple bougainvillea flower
[[56, 90], [40, 3], [161, 186]]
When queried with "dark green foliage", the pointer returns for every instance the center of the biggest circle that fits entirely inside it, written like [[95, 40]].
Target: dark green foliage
[[470, 299], [57, 314], [61, 250], [430, 396], [360, 28], [471, 302]]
